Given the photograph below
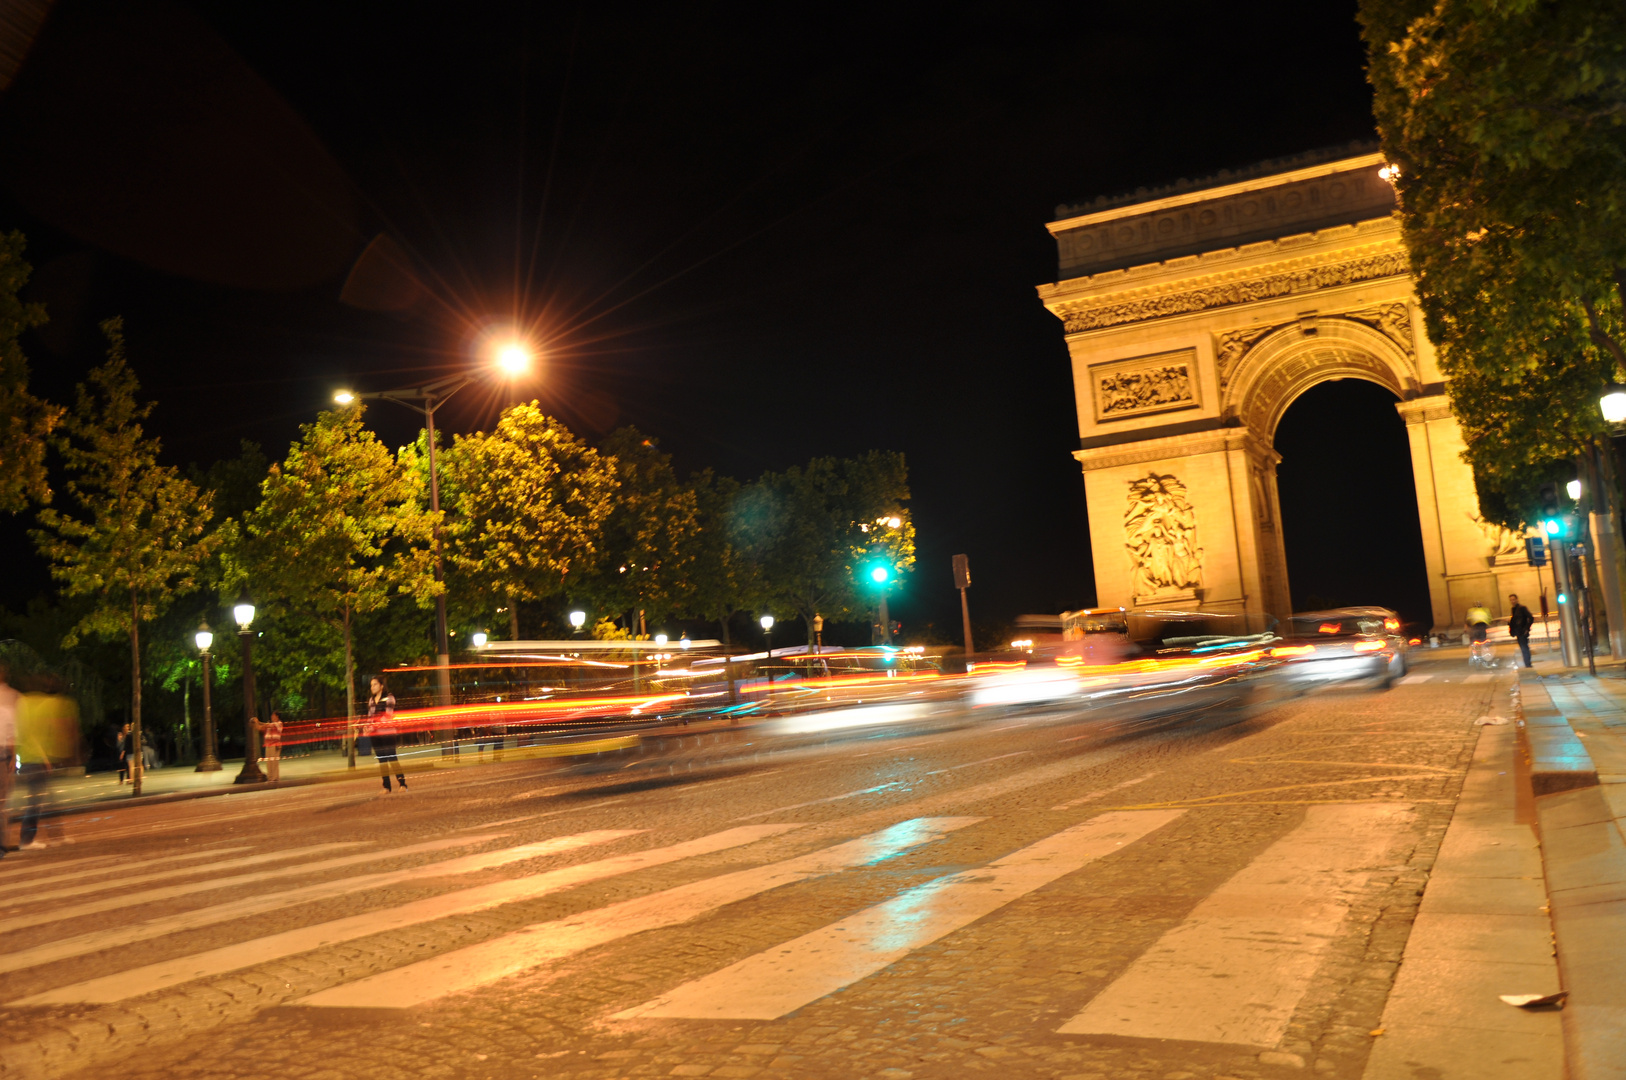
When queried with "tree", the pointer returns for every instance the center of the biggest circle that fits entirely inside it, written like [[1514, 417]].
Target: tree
[[26, 422], [1507, 122], [529, 502], [723, 581], [810, 531], [338, 531], [141, 536], [648, 546]]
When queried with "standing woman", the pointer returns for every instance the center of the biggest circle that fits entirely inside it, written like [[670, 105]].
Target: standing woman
[[381, 729]]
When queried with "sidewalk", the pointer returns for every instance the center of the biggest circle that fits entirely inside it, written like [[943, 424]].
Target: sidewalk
[[1575, 731]]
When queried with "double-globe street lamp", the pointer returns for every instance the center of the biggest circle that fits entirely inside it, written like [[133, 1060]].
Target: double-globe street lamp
[[511, 359], [243, 612], [211, 753]]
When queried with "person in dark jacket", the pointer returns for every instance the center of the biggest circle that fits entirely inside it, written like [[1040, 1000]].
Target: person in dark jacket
[[381, 730], [1519, 624]]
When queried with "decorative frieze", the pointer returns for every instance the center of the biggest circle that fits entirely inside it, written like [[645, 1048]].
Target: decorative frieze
[[1147, 384], [1096, 314], [1392, 321], [1231, 347]]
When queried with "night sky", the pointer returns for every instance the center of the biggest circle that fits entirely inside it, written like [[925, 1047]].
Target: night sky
[[758, 234]]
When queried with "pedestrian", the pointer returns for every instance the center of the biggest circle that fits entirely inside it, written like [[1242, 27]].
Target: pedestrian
[[47, 741], [126, 756], [271, 745], [1519, 624], [381, 730], [8, 747]]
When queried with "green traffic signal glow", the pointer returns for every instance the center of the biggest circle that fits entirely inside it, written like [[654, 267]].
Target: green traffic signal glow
[[1552, 526], [879, 574], [1562, 599]]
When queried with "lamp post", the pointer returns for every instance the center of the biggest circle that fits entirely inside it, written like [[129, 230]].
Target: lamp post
[[818, 633], [1600, 462], [480, 638], [512, 359], [767, 633], [243, 612], [578, 619], [211, 754]]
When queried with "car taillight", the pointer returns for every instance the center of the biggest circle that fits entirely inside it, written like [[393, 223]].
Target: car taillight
[[1368, 646], [1292, 650], [1392, 625]]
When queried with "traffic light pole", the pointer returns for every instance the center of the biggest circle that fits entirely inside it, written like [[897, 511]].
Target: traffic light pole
[[1569, 634]]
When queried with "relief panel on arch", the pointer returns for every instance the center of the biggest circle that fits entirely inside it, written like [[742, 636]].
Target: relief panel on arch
[[1143, 385]]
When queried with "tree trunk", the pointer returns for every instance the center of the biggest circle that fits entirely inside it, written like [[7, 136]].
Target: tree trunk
[[349, 693], [513, 617], [136, 762]]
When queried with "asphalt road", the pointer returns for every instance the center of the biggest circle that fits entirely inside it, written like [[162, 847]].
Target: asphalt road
[[1035, 895]]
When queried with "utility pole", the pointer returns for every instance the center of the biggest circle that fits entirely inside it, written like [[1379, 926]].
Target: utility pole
[[962, 581], [211, 753]]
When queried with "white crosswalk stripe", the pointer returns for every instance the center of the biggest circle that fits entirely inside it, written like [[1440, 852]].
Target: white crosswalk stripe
[[124, 900], [148, 929], [126, 881], [1415, 679], [153, 977], [785, 978], [117, 867], [480, 965], [1235, 969]]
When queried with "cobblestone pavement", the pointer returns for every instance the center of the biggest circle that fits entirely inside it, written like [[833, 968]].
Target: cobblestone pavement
[[1013, 873]]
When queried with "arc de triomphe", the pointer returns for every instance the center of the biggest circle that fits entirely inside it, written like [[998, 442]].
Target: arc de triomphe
[[1194, 317]]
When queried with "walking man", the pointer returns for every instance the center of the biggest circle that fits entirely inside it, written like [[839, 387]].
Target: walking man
[[8, 747], [1519, 624]]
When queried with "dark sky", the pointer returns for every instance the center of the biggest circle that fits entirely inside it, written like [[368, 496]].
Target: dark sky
[[759, 233]]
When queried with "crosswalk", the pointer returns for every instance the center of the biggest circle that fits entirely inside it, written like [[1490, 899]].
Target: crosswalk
[[1232, 970]]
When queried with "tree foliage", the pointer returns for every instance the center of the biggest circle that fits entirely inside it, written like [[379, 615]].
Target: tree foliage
[[809, 531], [648, 541], [140, 537], [1507, 120], [339, 529], [529, 502], [26, 422]]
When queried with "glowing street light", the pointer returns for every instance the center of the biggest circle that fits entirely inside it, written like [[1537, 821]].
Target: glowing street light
[[1574, 489], [767, 633], [513, 358], [660, 640], [1613, 403], [344, 397], [210, 761], [578, 619], [479, 638]]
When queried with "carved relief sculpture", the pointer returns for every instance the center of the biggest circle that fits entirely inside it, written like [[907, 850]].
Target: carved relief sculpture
[[1148, 388], [1160, 533], [1504, 542], [1391, 320], [1232, 346]]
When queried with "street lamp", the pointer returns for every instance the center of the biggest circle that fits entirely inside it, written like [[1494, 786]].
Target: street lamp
[[243, 612], [818, 633], [767, 633], [512, 358], [577, 620], [1573, 489], [211, 757], [1613, 403], [480, 639]]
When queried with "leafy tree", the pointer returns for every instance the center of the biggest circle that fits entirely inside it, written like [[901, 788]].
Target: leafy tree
[[529, 504], [26, 422], [723, 580], [141, 537], [811, 530], [1507, 120], [338, 531], [648, 542]]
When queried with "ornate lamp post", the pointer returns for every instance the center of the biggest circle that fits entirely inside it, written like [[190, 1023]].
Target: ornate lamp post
[[211, 753], [243, 612], [767, 633], [578, 619]]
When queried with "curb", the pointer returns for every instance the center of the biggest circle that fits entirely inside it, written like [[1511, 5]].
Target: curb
[[1583, 857]]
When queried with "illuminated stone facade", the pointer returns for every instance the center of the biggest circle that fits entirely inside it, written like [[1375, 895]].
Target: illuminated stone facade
[[1194, 317]]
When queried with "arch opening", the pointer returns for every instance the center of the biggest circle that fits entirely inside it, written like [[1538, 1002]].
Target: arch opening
[[1349, 501]]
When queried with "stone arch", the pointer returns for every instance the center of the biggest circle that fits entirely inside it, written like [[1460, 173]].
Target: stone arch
[[1291, 359]]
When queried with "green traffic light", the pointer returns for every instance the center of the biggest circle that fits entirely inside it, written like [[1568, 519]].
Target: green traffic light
[[879, 574]]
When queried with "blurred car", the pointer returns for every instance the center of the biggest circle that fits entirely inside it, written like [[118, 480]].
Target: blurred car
[[1344, 645]]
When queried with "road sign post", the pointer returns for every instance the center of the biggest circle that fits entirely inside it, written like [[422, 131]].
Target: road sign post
[[962, 581]]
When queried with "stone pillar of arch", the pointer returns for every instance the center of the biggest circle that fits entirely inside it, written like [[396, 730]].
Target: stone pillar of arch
[[1193, 321]]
